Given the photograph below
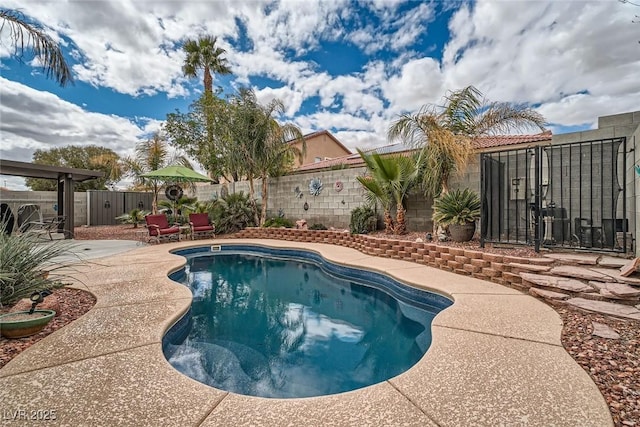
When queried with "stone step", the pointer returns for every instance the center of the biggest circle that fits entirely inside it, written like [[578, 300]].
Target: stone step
[[573, 259], [549, 295], [507, 259], [523, 268], [616, 276], [556, 282], [608, 308], [612, 262], [581, 273], [619, 290]]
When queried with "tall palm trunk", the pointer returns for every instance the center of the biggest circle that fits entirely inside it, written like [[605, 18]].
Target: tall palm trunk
[[252, 200], [388, 222], [401, 225], [265, 199], [208, 80]]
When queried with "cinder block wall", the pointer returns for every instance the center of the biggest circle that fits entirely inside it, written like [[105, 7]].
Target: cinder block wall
[[47, 200], [331, 207]]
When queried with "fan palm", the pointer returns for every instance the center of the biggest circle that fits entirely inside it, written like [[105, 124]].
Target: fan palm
[[151, 155], [391, 179], [44, 48], [203, 54], [445, 134]]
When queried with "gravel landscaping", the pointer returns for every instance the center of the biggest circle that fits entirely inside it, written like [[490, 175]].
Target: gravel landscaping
[[613, 363]]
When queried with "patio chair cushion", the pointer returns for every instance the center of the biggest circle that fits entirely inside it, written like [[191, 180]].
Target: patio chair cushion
[[158, 225], [199, 220], [203, 228]]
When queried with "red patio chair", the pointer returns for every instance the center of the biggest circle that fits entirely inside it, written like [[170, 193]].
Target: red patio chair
[[200, 225], [159, 228]]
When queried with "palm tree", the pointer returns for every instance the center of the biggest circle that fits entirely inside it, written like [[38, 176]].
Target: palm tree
[[390, 180], [445, 134], [264, 144], [43, 47], [204, 55], [151, 155]]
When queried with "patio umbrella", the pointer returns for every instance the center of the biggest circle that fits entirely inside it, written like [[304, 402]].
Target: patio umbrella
[[176, 174]]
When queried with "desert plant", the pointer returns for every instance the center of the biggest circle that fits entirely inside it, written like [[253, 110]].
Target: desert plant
[[278, 222], [25, 265], [135, 217], [457, 207], [232, 213], [363, 220], [317, 227]]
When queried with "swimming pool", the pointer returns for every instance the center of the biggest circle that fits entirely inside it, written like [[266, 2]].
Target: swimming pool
[[287, 323]]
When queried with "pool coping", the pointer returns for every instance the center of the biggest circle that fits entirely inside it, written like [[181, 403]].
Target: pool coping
[[496, 358]]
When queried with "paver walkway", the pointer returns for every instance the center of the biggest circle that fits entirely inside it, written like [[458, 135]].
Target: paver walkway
[[496, 359]]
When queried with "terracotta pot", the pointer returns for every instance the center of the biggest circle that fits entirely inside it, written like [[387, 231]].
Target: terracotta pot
[[22, 324], [462, 232]]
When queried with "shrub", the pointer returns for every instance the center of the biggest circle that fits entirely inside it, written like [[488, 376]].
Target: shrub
[[457, 207], [232, 213], [25, 265], [363, 220], [278, 222], [135, 217], [317, 227]]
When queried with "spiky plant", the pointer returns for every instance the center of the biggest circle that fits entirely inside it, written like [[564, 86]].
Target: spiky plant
[[25, 264], [457, 207]]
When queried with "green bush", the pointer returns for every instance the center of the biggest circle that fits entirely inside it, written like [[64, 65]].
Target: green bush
[[363, 220], [25, 265], [456, 207], [232, 213], [278, 222], [317, 227], [135, 217]]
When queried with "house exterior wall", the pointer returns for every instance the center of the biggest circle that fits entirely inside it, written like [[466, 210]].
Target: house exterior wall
[[320, 145]]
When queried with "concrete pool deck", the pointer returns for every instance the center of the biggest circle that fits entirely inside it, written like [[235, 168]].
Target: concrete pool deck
[[496, 359]]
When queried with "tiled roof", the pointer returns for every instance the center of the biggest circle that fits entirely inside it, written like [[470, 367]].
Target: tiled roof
[[481, 143], [503, 140]]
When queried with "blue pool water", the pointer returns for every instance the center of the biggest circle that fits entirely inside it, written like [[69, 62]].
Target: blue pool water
[[285, 323]]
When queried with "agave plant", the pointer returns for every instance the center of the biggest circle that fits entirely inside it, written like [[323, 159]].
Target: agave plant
[[25, 265], [457, 207]]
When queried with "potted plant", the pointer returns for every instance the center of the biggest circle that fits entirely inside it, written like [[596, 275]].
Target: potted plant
[[459, 210], [20, 324]]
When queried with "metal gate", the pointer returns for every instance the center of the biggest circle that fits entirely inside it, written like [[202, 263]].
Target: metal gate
[[566, 195], [105, 206]]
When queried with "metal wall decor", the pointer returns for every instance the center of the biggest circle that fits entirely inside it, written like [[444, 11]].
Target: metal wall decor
[[315, 187], [305, 206], [338, 186], [173, 192]]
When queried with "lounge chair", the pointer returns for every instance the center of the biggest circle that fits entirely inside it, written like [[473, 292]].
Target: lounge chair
[[46, 226], [159, 228], [200, 225]]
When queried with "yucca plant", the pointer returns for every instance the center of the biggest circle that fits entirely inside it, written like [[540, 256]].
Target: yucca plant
[[457, 207], [25, 265]]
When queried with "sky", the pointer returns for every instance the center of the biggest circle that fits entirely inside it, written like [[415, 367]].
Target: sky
[[349, 67]]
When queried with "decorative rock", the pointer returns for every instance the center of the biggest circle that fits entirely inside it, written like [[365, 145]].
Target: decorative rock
[[570, 285], [610, 308], [542, 293], [580, 273], [583, 259], [619, 289], [604, 331], [419, 240], [49, 303], [630, 268], [301, 224]]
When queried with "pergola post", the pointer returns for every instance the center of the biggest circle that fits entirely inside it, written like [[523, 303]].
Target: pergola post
[[68, 206]]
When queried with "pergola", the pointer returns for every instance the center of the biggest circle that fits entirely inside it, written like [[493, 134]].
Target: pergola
[[65, 178]]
